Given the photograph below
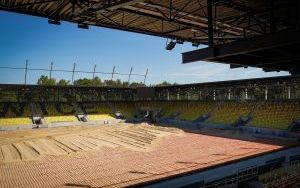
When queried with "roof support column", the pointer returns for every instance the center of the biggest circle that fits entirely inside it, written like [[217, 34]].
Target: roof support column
[[298, 12], [210, 23]]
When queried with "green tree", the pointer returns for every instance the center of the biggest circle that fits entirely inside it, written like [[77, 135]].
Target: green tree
[[137, 84], [164, 83], [45, 80], [83, 82], [97, 81], [125, 84], [110, 83], [63, 82], [88, 82]]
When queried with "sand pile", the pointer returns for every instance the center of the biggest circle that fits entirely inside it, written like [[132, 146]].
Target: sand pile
[[28, 145]]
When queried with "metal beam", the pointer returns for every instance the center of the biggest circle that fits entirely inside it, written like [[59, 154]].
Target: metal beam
[[102, 8], [185, 16], [244, 46], [210, 24]]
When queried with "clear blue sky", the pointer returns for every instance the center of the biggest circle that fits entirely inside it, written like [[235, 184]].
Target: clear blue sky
[[25, 37]]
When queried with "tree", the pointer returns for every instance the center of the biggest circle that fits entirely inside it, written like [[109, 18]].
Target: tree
[[44, 80], [63, 82], [88, 82], [164, 83], [125, 84], [110, 83], [137, 84], [97, 81]]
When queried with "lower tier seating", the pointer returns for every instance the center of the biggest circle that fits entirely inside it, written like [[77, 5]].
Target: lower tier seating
[[229, 112], [15, 121], [276, 115]]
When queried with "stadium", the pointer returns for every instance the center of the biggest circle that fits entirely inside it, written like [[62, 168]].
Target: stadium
[[233, 133]]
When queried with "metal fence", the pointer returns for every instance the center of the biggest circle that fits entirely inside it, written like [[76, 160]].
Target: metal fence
[[73, 71]]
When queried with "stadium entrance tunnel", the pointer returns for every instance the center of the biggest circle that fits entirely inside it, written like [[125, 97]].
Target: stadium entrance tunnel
[[82, 117], [37, 121], [148, 114]]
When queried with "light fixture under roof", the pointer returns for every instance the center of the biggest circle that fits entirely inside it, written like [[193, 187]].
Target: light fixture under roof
[[54, 21], [195, 44], [170, 45], [179, 41], [83, 26]]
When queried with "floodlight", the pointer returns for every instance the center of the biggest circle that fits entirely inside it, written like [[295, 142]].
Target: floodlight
[[54, 21], [170, 45], [195, 44], [83, 26], [179, 41]]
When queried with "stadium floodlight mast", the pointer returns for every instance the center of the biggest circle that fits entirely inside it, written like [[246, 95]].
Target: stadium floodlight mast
[[50, 72], [129, 76], [113, 72], [95, 66]]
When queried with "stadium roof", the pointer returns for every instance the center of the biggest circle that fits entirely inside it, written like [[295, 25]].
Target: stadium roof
[[213, 22], [176, 19]]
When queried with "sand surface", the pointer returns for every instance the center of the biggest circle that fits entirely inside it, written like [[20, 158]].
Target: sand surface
[[28, 145], [112, 155]]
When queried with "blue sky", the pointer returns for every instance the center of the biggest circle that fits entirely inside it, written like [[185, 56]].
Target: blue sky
[[25, 37]]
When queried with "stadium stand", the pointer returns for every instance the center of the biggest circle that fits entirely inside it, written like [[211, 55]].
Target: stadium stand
[[128, 110], [58, 112], [15, 121], [54, 119], [192, 110], [276, 115], [96, 110], [15, 114], [229, 112], [95, 117], [288, 176]]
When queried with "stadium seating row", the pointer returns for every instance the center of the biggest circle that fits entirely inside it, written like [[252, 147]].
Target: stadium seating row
[[275, 115], [282, 177]]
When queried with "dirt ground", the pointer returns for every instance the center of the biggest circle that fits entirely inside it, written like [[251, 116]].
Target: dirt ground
[[112, 155]]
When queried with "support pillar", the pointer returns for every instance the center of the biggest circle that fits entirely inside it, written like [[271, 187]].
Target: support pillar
[[266, 93], [26, 69], [210, 23]]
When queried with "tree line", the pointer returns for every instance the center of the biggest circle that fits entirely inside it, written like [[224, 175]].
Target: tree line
[[96, 81]]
